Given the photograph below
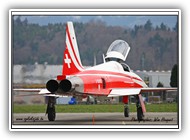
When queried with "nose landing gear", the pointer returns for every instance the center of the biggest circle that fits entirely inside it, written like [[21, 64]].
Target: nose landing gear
[[126, 110], [126, 106]]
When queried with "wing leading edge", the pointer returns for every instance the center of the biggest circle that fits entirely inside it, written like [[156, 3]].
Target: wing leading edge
[[136, 91]]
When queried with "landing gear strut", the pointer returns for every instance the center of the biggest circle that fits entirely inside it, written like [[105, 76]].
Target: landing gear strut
[[126, 106], [126, 110], [51, 108], [140, 114]]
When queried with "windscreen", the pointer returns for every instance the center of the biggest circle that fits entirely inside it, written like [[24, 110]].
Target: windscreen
[[119, 46]]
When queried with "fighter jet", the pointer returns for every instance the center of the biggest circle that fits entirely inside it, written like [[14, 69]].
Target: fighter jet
[[112, 78]]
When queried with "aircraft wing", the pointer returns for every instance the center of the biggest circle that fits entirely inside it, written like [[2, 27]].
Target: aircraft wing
[[136, 91], [143, 90], [39, 91], [124, 92]]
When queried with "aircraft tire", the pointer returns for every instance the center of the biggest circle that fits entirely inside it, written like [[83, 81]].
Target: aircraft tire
[[126, 112], [140, 114], [51, 114], [51, 109]]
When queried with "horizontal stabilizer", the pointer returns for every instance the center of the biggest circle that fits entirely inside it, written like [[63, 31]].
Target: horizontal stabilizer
[[43, 92], [27, 90], [39, 90]]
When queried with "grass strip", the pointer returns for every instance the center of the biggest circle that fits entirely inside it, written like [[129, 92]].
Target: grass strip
[[93, 108]]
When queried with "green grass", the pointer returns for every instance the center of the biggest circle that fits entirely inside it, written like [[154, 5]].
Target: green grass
[[93, 108]]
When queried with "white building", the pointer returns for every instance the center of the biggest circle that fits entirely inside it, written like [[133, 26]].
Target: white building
[[152, 78]]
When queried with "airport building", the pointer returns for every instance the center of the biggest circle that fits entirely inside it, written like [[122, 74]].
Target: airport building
[[152, 78]]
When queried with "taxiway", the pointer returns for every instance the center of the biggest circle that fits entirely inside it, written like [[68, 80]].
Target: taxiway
[[95, 119]]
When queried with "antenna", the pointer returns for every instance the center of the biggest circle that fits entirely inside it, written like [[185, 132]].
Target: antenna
[[103, 58], [94, 59]]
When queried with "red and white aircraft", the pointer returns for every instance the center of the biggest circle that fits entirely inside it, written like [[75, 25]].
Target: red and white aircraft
[[112, 78]]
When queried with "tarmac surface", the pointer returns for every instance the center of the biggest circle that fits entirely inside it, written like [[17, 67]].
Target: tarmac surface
[[95, 119]]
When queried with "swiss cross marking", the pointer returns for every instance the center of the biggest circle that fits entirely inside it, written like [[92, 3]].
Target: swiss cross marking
[[68, 61]]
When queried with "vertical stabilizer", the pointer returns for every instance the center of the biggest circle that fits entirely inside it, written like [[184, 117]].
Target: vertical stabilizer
[[71, 58]]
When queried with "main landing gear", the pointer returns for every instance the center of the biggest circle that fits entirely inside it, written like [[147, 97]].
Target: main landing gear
[[50, 111], [140, 114]]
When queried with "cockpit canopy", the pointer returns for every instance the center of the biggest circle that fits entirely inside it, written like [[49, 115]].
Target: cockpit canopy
[[118, 51]]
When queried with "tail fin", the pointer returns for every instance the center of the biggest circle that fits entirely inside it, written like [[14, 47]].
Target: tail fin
[[71, 59]]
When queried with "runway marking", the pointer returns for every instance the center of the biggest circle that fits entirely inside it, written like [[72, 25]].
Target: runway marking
[[93, 119]]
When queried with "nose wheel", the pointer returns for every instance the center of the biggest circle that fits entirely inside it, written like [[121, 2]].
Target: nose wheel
[[126, 106], [50, 111], [126, 110]]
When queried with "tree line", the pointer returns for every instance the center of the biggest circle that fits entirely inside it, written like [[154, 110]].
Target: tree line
[[152, 48]]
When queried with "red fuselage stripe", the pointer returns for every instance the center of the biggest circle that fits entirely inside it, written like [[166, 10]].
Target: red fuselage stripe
[[108, 73]]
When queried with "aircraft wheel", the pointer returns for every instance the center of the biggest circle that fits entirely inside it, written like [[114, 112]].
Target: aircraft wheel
[[139, 109], [140, 114], [126, 112], [51, 109], [51, 114]]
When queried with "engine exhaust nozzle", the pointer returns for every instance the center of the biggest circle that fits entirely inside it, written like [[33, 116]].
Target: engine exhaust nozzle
[[52, 85], [65, 85]]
